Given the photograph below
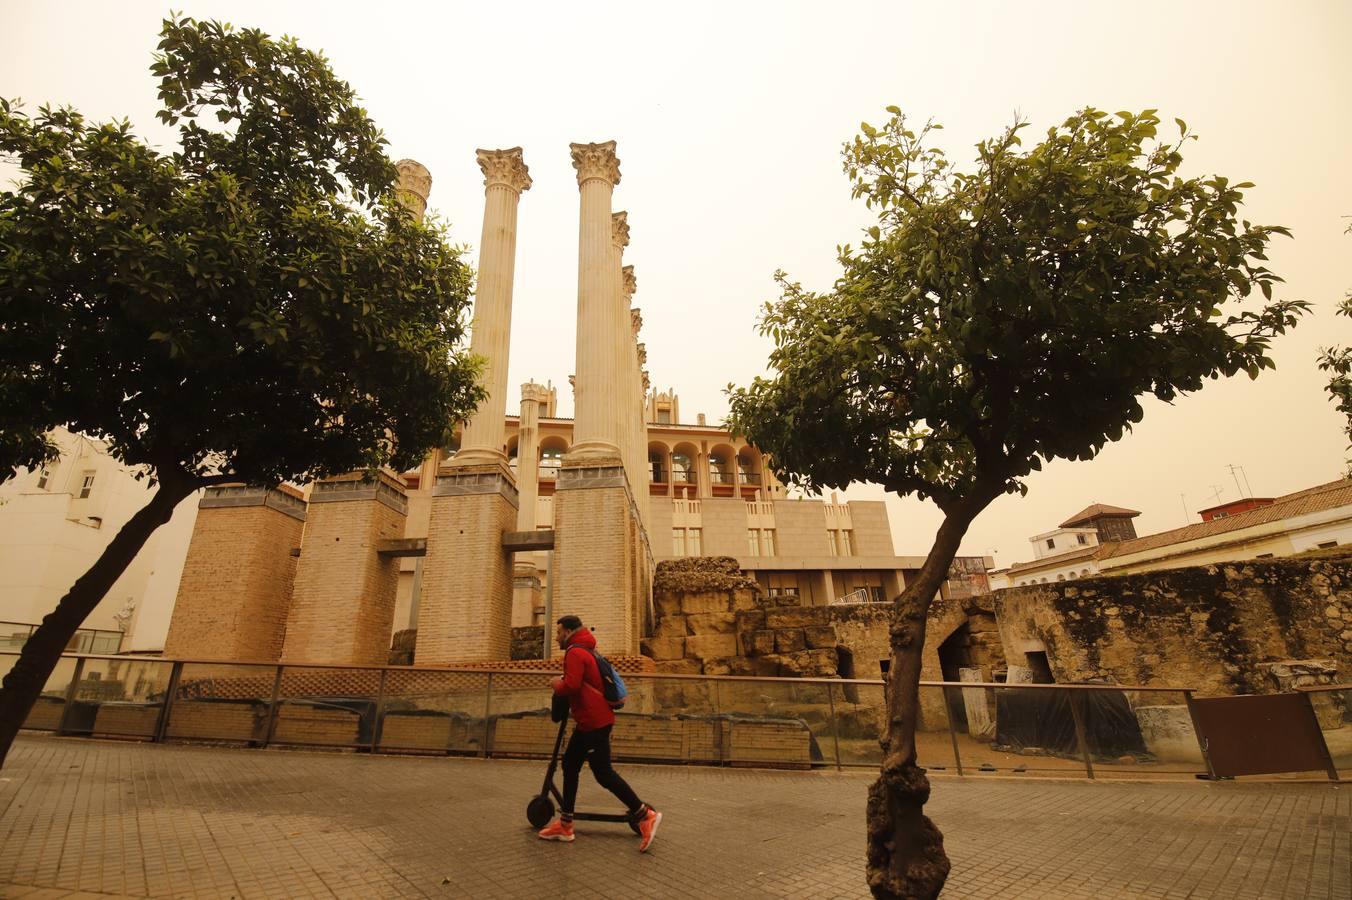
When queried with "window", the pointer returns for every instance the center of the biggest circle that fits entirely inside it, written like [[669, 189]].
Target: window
[[1081, 539], [678, 542], [846, 544], [551, 458], [768, 542], [43, 477], [693, 542], [830, 543], [753, 542], [681, 473], [1327, 544], [664, 417], [1051, 543], [87, 485]]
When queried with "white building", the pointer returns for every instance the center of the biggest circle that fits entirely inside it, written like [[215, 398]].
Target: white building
[[54, 523]]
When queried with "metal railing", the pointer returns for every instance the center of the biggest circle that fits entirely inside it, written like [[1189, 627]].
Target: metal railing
[[716, 720], [13, 635]]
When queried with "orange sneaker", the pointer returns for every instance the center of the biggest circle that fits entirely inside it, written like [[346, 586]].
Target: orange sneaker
[[558, 830], [647, 829]]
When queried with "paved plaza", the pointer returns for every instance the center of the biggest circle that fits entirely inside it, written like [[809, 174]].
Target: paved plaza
[[90, 818]]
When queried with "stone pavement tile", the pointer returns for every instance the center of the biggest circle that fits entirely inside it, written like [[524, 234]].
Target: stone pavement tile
[[190, 821]]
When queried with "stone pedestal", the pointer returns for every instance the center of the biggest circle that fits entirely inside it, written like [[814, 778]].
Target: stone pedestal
[[596, 538], [235, 592], [527, 595], [342, 608], [465, 611]]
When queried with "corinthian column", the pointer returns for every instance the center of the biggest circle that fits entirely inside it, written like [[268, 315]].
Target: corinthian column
[[505, 177], [528, 454], [596, 433], [414, 187], [624, 345]]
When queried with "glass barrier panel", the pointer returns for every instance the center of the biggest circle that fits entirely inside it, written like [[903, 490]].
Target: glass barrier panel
[[1140, 734], [326, 707], [1333, 709], [774, 724], [119, 698], [860, 717], [669, 720], [450, 712], [13, 636], [51, 704], [1032, 732], [225, 702]]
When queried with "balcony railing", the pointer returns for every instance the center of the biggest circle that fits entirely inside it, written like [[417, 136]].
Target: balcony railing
[[716, 477], [679, 476], [751, 477], [1023, 729]]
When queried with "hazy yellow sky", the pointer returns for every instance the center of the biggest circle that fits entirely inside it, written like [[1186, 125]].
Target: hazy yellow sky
[[729, 119]]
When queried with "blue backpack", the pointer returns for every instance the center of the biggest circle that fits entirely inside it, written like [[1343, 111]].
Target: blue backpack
[[612, 685]]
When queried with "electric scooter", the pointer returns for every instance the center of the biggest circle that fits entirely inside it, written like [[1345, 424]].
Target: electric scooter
[[540, 809]]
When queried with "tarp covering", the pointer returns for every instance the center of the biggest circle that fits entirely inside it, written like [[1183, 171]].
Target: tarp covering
[[1042, 719]]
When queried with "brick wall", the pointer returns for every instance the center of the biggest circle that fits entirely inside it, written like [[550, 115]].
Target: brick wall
[[342, 608], [465, 609], [236, 588], [593, 564]]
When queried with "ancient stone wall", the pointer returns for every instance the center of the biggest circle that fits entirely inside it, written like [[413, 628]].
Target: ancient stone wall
[[1219, 629]]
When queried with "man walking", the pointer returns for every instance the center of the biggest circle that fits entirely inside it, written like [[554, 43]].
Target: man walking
[[593, 720]]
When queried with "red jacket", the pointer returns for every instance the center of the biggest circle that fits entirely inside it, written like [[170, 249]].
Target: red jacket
[[581, 684]]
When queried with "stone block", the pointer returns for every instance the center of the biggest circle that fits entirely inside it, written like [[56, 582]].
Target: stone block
[[808, 664], [795, 617], [820, 636], [668, 603], [754, 620], [758, 643], [789, 640], [710, 602], [712, 623], [679, 666], [744, 600], [671, 626], [718, 666], [710, 646], [660, 648]]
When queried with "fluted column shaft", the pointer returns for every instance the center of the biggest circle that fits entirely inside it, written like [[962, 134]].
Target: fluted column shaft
[[528, 456], [599, 368], [505, 177]]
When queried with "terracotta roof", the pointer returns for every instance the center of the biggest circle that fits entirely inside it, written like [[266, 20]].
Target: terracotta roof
[[1311, 500], [1093, 512], [1299, 503]]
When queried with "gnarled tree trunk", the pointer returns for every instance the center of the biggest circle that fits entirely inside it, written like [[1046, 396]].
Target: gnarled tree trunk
[[23, 684], [906, 859]]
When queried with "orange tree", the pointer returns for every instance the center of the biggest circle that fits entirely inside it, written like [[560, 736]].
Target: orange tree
[[254, 306], [990, 321]]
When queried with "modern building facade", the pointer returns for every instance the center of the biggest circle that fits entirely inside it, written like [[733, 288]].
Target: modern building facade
[[1102, 540], [54, 524]]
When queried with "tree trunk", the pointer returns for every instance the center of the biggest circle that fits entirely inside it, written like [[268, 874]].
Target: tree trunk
[[24, 683], [906, 859]]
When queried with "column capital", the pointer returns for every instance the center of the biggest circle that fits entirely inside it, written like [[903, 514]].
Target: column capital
[[619, 229], [635, 319], [535, 393], [414, 186], [629, 281], [596, 161], [505, 167]]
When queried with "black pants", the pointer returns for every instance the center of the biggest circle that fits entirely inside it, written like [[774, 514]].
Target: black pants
[[594, 747]]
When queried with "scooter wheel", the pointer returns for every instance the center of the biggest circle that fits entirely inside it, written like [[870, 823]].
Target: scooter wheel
[[539, 811]]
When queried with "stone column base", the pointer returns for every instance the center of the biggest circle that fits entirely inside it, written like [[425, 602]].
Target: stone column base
[[465, 610]]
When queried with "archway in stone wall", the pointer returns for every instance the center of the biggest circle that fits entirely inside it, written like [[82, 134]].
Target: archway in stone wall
[[659, 467], [684, 457], [954, 656]]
